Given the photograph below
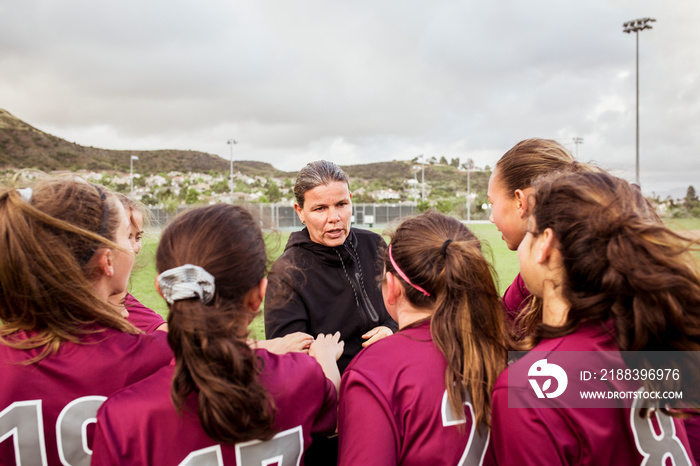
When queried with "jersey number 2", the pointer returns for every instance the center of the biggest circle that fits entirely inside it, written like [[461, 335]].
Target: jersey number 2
[[478, 437]]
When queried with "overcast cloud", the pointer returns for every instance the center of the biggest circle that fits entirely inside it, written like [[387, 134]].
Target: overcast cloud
[[363, 81]]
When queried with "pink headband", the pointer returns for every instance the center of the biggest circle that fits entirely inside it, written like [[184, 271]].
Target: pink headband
[[403, 275]]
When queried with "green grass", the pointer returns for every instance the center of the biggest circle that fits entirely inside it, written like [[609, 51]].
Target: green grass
[[504, 261]]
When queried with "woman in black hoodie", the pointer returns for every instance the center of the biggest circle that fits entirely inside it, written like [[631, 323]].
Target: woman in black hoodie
[[326, 279]]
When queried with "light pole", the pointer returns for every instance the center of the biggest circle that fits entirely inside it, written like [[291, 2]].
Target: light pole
[[636, 26], [577, 141], [131, 177], [422, 189], [470, 167], [232, 142]]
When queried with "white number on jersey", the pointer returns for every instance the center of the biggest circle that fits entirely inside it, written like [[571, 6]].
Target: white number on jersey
[[656, 448], [284, 449], [478, 438], [23, 421]]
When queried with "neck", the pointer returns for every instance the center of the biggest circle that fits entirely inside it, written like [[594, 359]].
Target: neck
[[408, 315], [555, 309], [104, 292]]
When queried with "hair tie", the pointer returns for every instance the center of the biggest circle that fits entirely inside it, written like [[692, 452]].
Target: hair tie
[[186, 282], [25, 194], [403, 275], [444, 247]]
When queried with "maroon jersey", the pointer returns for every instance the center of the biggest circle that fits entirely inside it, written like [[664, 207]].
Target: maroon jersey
[[48, 407], [557, 434], [394, 407], [515, 298], [140, 316], [139, 425]]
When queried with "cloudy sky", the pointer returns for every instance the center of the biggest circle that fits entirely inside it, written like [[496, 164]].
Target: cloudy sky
[[362, 81]]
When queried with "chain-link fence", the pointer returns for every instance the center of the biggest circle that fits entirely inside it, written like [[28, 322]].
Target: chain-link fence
[[283, 217]]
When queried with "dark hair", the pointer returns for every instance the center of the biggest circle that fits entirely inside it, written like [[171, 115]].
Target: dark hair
[[467, 323], [315, 174], [621, 263], [212, 357], [48, 265]]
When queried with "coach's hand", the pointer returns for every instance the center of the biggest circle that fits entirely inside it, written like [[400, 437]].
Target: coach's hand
[[376, 334], [297, 342]]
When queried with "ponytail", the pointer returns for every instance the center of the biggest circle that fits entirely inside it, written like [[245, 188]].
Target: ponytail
[[208, 331], [440, 255]]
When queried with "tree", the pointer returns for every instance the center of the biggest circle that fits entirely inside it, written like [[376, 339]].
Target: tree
[[192, 196], [273, 191], [455, 162], [445, 206], [691, 201], [422, 206], [443, 160], [149, 200]]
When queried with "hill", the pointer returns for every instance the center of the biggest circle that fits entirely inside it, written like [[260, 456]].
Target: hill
[[22, 146]]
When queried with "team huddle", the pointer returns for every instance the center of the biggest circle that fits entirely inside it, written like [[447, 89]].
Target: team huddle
[[376, 353]]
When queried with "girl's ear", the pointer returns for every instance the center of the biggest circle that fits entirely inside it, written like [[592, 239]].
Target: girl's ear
[[105, 264], [548, 244], [393, 288], [158, 287], [521, 201], [254, 298]]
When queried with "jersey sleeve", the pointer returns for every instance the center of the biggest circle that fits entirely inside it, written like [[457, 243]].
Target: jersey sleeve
[[327, 419], [142, 317], [515, 298], [103, 445], [367, 433], [285, 312]]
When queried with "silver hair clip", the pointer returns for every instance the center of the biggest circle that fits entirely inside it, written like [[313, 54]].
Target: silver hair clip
[[25, 194], [186, 282]]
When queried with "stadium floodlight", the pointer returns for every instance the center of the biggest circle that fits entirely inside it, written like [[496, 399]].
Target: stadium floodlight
[[232, 142], [628, 27]]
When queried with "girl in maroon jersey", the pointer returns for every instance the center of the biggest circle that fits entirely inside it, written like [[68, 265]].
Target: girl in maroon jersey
[[508, 190], [139, 315], [63, 347], [422, 396], [611, 278], [221, 400]]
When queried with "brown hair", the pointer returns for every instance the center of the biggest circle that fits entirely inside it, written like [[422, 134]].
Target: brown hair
[[48, 247], [315, 174], [467, 322], [133, 205], [621, 263], [212, 357], [530, 158]]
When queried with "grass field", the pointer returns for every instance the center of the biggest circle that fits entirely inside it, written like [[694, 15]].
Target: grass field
[[504, 261]]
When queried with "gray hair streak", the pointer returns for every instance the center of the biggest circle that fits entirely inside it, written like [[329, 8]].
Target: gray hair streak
[[315, 174]]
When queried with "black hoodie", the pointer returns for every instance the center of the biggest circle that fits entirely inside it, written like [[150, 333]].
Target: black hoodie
[[319, 289]]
